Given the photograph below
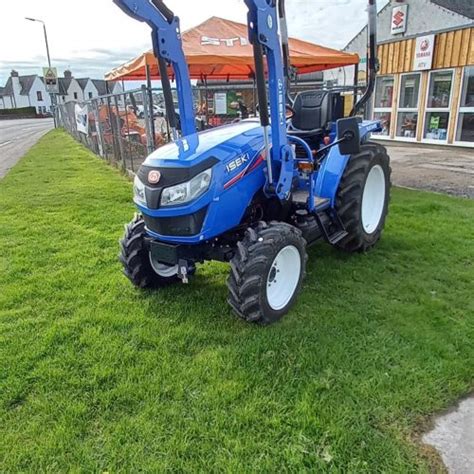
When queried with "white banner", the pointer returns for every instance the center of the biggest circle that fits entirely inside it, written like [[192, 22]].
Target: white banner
[[220, 103], [82, 118], [423, 53]]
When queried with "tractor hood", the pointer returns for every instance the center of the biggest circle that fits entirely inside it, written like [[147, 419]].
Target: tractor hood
[[231, 151], [220, 143]]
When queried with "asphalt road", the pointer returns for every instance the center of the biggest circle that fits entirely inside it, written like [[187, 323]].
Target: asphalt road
[[17, 137]]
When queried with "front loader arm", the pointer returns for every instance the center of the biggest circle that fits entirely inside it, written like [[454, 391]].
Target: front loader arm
[[265, 38], [167, 46]]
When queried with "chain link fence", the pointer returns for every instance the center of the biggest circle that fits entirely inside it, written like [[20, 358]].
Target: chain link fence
[[125, 128], [120, 127]]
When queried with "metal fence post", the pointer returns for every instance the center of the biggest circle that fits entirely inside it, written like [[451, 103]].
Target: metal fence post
[[112, 127], [129, 146], [98, 127], [149, 139], [150, 104], [119, 132]]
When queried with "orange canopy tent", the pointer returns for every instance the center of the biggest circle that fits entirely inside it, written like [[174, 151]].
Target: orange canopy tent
[[219, 49]]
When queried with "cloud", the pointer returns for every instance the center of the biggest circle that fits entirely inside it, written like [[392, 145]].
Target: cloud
[[92, 36]]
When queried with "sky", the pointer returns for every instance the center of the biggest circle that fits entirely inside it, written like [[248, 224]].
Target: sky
[[90, 37]]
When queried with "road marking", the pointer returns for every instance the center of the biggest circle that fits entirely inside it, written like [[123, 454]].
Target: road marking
[[5, 143]]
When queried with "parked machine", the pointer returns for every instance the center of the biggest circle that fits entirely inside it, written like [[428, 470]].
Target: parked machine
[[258, 192]]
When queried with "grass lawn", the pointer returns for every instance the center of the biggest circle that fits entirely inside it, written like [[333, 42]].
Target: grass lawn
[[98, 376]]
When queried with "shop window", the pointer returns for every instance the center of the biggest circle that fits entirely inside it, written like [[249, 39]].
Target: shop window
[[407, 117], [384, 92], [436, 125], [439, 92], [409, 90], [437, 105], [385, 120], [465, 131], [465, 125], [407, 123], [383, 103]]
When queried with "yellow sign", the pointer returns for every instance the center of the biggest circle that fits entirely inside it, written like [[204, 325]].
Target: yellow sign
[[50, 75]]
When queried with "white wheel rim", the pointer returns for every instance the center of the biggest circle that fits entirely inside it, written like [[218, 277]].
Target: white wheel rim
[[163, 270], [283, 277], [373, 199]]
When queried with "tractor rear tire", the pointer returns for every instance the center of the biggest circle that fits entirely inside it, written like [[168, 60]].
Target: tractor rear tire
[[135, 258], [363, 197], [267, 272]]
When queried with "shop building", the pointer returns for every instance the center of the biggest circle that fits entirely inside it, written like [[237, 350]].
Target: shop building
[[425, 88]]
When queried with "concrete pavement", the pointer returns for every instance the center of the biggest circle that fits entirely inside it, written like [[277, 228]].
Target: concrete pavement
[[17, 137], [453, 437], [442, 169]]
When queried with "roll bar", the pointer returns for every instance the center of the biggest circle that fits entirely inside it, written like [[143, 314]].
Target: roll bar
[[372, 57], [285, 45]]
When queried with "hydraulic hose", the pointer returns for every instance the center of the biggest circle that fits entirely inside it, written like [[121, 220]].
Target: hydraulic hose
[[168, 95], [164, 10], [263, 105]]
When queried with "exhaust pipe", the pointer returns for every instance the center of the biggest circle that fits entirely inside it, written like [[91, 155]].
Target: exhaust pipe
[[372, 62]]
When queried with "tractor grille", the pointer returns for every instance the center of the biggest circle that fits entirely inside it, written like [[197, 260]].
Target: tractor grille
[[187, 225]]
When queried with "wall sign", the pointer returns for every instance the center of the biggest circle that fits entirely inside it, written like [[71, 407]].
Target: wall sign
[[423, 53], [399, 19]]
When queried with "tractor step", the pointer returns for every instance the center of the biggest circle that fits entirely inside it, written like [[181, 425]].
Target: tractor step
[[331, 226], [300, 199], [336, 237]]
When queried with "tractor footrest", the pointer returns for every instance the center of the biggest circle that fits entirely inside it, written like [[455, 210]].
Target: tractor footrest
[[331, 226], [300, 198], [336, 237]]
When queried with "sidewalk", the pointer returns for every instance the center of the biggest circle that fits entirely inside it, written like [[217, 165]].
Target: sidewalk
[[443, 169]]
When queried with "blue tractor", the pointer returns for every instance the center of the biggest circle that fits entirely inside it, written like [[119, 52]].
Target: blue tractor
[[256, 193]]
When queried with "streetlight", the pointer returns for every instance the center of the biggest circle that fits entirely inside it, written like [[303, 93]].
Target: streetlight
[[53, 101], [45, 36]]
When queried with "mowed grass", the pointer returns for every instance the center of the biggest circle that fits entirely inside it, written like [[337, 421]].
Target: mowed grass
[[97, 376]]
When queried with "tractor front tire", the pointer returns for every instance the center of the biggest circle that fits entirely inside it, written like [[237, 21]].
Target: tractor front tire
[[135, 258], [267, 272], [363, 197]]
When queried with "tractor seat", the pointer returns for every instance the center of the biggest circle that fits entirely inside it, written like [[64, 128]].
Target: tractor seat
[[314, 110]]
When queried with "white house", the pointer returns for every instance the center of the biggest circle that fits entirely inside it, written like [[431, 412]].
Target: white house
[[25, 91], [83, 89], [69, 89]]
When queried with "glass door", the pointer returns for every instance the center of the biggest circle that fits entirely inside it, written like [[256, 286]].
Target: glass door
[[465, 123], [438, 106], [383, 104], [407, 116]]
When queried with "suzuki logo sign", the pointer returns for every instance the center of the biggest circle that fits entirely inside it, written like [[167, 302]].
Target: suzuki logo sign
[[399, 19]]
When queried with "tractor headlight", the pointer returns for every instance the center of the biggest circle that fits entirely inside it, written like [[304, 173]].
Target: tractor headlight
[[139, 191], [185, 192]]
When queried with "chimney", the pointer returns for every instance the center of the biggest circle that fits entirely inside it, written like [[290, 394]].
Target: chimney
[[68, 74], [14, 73]]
